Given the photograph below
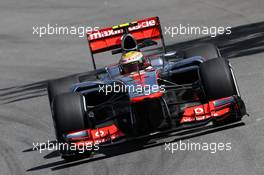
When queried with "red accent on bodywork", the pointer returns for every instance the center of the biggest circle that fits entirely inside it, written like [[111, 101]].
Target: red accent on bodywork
[[139, 78], [100, 135], [205, 111], [108, 39], [141, 98]]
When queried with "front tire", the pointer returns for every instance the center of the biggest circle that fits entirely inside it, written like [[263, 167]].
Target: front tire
[[69, 115], [60, 86], [216, 79], [218, 82]]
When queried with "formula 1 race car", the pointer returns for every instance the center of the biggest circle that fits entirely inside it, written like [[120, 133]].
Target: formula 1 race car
[[142, 95]]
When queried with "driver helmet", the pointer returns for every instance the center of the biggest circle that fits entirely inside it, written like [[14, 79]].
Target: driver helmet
[[132, 61]]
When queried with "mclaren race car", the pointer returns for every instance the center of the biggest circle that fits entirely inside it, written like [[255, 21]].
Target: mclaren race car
[[142, 95]]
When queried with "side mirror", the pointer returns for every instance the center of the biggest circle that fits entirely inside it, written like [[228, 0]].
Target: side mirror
[[174, 55], [170, 54]]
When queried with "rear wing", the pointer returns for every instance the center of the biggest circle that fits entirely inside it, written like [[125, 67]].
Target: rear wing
[[110, 38]]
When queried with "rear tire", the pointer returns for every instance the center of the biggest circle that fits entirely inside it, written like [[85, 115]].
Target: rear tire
[[207, 51], [217, 80]]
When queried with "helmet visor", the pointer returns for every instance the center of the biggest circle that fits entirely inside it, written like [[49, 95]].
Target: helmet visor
[[132, 67]]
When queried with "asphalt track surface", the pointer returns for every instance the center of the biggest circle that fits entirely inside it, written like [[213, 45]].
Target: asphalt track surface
[[27, 62]]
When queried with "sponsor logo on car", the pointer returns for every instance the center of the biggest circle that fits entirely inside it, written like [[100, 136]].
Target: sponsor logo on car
[[110, 32]]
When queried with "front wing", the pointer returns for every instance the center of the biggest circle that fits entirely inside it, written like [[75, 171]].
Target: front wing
[[216, 110]]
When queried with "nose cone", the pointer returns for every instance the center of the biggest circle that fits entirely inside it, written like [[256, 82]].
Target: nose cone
[[142, 86]]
